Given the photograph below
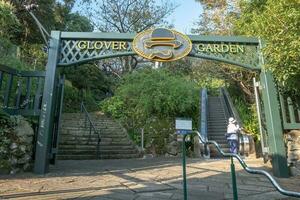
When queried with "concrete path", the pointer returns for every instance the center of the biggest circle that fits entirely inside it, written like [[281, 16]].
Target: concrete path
[[142, 179]]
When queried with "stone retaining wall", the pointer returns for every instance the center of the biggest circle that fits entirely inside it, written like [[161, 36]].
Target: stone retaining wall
[[293, 151], [16, 148]]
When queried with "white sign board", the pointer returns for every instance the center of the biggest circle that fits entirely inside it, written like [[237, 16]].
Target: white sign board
[[183, 124]]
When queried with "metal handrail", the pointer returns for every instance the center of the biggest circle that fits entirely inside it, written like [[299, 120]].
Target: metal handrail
[[204, 111], [230, 106], [91, 126], [251, 170], [203, 120]]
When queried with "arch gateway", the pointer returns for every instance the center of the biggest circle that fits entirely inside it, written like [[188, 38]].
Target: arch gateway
[[70, 48]]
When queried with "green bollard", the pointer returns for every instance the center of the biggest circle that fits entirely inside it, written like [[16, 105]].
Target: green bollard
[[184, 168], [233, 177]]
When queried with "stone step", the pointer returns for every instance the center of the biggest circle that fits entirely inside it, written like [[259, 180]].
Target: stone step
[[77, 143], [215, 120], [221, 127], [216, 110], [87, 132], [92, 136], [219, 141], [68, 125], [103, 147], [216, 131], [93, 152], [217, 137], [93, 157], [77, 125], [102, 143], [217, 125]]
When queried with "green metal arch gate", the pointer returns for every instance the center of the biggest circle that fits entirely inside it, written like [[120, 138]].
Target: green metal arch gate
[[69, 48]]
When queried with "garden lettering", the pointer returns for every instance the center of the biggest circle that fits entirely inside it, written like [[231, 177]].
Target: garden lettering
[[220, 48], [113, 45]]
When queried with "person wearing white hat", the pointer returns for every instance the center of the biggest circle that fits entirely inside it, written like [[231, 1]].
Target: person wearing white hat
[[232, 135]]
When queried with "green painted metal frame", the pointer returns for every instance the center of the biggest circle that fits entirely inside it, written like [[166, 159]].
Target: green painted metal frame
[[46, 122], [290, 113], [273, 121], [19, 77], [63, 52], [70, 52]]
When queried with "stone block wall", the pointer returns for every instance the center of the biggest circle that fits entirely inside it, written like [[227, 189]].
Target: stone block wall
[[16, 144], [293, 151]]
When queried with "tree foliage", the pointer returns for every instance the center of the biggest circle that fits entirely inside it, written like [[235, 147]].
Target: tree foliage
[[148, 93], [152, 99], [218, 18], [125, 16], [88, 78], [8, 20], [277, 22]]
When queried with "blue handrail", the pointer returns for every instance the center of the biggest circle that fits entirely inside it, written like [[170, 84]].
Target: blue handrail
[[203, 120]]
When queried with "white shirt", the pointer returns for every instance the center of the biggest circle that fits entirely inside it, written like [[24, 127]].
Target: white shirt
[[232, 129]]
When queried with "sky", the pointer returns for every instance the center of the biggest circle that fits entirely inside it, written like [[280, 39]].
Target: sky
[[185, 15]]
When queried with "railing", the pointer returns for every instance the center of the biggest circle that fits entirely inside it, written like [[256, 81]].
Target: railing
[[244, 138], [261, 120], [250, 170], [203, 119], [91, 127], [232, 112], [21, 91], [290, 113]]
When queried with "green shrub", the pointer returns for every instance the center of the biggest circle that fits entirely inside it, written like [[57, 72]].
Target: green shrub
[[73, 98], [8, 20], [247, 112], [152, 99], [6, 129]]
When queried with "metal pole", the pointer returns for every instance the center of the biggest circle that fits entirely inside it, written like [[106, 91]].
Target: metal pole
[[184, 168], [273, 122], [142, 142], [233, 177], [257, 102], [46, 122]]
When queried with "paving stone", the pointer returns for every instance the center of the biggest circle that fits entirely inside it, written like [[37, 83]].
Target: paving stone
[[266, 196], [141, 179]]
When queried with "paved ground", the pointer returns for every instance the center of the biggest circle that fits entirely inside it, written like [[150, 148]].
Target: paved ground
[[141, 179]]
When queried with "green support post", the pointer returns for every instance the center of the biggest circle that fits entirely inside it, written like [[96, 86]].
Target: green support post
[[273, 120], [43, 144], [184, 168], [233, 178], [274, 126]]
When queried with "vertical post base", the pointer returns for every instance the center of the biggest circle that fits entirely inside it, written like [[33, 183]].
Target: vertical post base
[[233, 177], [274, 127], [184, 168]]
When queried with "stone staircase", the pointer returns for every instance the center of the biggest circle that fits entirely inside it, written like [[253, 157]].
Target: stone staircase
[[217, 125], [75, 142]]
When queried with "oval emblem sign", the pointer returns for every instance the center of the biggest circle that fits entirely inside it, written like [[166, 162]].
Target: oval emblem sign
[[162, 45]]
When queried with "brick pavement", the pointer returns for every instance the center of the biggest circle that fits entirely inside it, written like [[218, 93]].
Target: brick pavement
[[141, 179]]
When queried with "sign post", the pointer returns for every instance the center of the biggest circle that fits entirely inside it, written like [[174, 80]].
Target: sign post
[[184, 127]]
